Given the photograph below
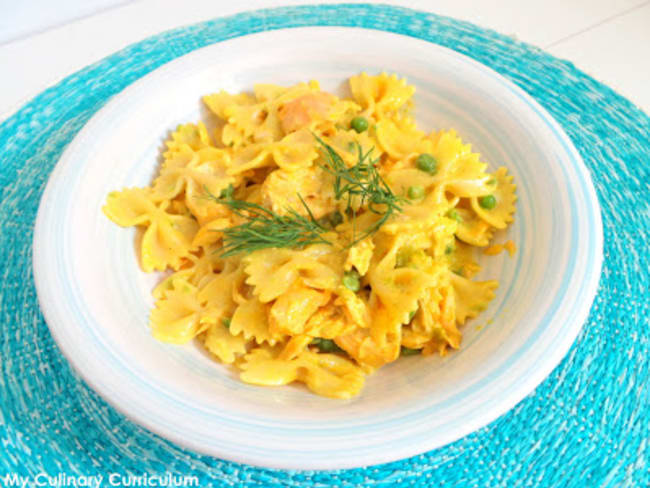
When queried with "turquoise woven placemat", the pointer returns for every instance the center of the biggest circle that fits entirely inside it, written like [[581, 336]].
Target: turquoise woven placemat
[[587, 425]]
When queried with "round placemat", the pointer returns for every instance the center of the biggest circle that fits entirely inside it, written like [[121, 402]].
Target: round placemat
[[587, 424]]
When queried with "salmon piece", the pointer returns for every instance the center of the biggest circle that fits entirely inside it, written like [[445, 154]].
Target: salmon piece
[[305, 109]]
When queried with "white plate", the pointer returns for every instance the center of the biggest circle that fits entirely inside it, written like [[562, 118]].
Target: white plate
[[96, 300]]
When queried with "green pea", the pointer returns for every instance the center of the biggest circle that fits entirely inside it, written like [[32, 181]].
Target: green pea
[[227, 192], [323, 221], [427, 163], [352, 281], [488, 202], [407, 351], [449, 249], [326, 345], [453, 214], [401, 259], [226, 322], [359, 124], [336, 218], [415, 192]]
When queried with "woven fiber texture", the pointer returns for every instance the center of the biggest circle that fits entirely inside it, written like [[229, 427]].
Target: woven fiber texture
[[586, 425]]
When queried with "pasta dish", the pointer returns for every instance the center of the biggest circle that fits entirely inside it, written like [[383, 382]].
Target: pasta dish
[[311, 238]]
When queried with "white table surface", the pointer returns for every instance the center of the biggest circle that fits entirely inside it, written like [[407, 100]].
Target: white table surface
[[42, 41]]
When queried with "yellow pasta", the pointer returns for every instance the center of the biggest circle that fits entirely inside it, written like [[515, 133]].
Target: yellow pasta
[[313, 238]]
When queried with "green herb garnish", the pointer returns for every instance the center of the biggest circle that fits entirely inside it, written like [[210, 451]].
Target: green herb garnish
[[266, 229], [360, 184], [407, 351]]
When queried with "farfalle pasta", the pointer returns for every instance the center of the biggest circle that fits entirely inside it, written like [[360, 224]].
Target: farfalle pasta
[[313, 238]]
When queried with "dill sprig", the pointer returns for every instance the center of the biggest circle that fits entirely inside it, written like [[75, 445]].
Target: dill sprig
[[360, 185], [265, 229], [363, 183]]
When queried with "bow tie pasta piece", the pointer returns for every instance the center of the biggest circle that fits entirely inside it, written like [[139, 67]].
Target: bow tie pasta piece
[[266, 92], [471, 297], [346, 144], [271, 272], [436, 317], [195, 136], [433, 325], [369, 353], [381, 95], [189, 300], [253, 156], [176, 317], [199, 270], [291, 311], [246, 120], [394, 291], [471, 229], [462, 260], [360, 255], [295, 151], [400, 138], [167, 241], [174, 282], [211, 232], [282, 190], [255, 123], [261, 367], [167, 184], [354, 307], [207, 175], [321, 267], [278, 95], [401, 179], [329, 322], [219, 103], [499, 214], [222, 343], [216, 294], [251, 320], [458, 170], [331, 375], [129, 207], [203, 175], [204, 264], [418, 219], [295, 346], [326, 374]]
